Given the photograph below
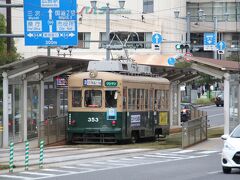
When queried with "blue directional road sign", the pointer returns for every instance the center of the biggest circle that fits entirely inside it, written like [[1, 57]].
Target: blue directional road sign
[[221, 45], [156, 38], [209, 41], [171, 61], [50, 22]]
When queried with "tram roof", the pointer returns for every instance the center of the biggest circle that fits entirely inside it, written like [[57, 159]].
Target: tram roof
[[117, 76]]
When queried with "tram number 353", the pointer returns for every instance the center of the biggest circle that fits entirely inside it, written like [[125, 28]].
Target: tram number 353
[[92, 119]]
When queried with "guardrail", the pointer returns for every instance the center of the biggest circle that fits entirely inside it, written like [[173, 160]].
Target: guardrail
[[195, 130], [53, 130]]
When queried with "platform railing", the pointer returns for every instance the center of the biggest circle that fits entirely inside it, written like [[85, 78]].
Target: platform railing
[[53, 130], [194, 130]]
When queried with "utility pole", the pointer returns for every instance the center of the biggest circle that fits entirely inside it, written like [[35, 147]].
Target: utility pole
[[9, 26], [107, 32], [215, 32], [188, 30]]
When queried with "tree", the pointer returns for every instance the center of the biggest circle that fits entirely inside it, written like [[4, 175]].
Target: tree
[[6, 57]]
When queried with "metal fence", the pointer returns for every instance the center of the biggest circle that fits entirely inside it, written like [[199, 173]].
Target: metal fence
[[53, 130], [195, 130]]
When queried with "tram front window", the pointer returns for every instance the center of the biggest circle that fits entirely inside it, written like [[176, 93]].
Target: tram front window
[[93, 98], [111, 99]]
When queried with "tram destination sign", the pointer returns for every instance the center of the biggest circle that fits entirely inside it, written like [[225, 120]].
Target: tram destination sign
[[50, 22], [111, 83], [92, 82]]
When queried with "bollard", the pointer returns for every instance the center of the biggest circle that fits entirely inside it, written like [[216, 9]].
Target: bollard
[[26, 155], [41, 154], [11, 157]]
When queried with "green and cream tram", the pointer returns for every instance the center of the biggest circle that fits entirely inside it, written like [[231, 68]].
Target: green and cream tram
[[106, 107]]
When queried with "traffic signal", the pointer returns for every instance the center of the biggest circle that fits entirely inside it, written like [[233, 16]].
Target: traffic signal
[[182, 46]]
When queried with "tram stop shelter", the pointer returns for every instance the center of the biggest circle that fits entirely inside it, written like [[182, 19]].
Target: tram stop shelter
[[28, 85]]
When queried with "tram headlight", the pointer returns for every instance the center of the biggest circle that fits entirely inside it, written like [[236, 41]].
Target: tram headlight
[[73, 122]]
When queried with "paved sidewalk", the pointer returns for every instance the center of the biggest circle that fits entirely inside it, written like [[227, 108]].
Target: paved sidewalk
[[212, 144]]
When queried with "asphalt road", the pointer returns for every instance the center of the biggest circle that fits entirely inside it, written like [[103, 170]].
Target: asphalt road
[[159, 164], [215, 115]]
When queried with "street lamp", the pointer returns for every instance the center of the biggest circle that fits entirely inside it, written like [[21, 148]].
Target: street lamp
[[187, 18], [108, 10]]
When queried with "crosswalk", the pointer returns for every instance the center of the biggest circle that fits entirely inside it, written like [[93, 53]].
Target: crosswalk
[[152, 157]]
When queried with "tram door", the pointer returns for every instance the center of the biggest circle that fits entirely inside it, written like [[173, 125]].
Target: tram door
[[124, 114]]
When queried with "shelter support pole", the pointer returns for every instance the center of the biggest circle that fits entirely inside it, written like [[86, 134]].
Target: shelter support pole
[[179, 102], [171, 97], [5, 110], [58, 104], [41, 123], [226, 103], [42, 100], [25, 109]]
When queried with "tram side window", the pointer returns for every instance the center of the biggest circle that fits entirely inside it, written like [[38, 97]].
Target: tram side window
[[76, 98], [110, 99], [131, 99], [93, 98], [138, 98], [151, 99], [142, 99], [146, 99], [124, 98]]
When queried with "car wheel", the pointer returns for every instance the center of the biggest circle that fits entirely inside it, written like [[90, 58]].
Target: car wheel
[[217, 105], [226, 170]]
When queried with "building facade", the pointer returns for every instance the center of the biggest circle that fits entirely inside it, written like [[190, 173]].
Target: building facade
[[135, 23], [227, 25], [138, 21]]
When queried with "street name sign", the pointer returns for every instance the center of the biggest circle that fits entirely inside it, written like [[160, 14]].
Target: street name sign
[[209, 41], [157, 38], [50, 22]]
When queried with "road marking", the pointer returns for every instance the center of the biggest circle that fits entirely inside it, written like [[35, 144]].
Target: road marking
[[156, 156], [36, 173], [12, 176], [214, 172], [138, 157], [76, 167], [184, 151], [110, 163], [125, 159], [56, 170], [216, 115], [207, 152]]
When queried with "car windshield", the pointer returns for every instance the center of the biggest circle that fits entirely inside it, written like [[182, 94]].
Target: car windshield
[[236, 133], [220, 96], [185, 106]]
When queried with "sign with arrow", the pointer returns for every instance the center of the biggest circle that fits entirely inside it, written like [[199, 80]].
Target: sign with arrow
[[171, 61], [221, 45], [50, 23], [157, 38], [209, 41]]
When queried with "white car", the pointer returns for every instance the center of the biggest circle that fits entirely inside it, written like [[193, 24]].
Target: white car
[[231, 151]]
